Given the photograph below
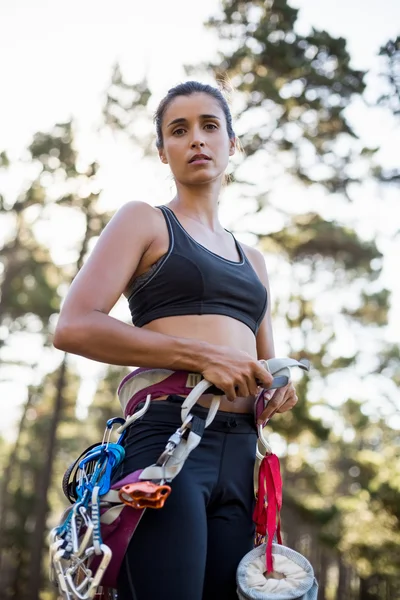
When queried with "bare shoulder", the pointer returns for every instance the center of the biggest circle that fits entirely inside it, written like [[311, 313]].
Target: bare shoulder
[[116, 256], [137, 220], [257, 260], [137, 211], [136, 207]]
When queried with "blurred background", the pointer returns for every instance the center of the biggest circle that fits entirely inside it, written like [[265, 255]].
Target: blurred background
[[315, 92]]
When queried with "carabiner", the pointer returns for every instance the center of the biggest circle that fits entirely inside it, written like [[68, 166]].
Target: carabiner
[[108, 430], [268, 449], [60, 575], [80, 543], [86, 588]]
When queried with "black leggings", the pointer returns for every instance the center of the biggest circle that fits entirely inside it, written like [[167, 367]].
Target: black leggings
[[190, 549]]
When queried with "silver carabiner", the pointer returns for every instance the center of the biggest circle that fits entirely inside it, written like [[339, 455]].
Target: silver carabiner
[[268, 449], [109, 428], [173, 442], [83, 543], [107, 555], [86, 589], [79, 570], [60, 575]]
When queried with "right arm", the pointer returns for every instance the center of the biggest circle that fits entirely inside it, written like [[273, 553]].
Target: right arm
[[85, 327]]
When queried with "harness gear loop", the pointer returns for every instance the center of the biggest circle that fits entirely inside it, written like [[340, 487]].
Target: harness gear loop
[[135, 416]]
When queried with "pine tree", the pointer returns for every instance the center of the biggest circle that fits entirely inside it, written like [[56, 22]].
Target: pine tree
[[292, 92]]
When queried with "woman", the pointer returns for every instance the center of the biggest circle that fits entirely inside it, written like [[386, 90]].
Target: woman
[[200, 303]]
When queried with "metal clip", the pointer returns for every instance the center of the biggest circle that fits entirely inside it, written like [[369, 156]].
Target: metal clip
[[54, 546], [173, 442], [60, 575], [80, 545], [79, 577], [268, 449], [144, 494], [108, 430]]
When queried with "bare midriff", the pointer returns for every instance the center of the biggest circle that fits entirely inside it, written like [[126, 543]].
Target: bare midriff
[[218, 330]]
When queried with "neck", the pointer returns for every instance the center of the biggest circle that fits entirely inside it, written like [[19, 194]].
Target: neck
[[199, 203]]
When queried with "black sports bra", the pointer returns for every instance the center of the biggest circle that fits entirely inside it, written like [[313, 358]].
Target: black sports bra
[[191, 280]]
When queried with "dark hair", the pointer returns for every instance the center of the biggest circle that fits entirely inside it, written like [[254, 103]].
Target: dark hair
[[186, 89]]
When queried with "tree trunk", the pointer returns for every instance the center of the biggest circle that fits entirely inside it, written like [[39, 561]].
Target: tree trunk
[[6, 479], [342, 589], [323, 563], [365, 590], [41, 509]]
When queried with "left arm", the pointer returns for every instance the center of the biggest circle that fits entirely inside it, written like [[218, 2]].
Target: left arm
[[284, 398]]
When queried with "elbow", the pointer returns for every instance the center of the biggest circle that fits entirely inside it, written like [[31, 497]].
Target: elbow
[[66, 336]]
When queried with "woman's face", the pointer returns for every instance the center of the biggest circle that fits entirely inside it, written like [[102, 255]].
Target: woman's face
[[195, 126]]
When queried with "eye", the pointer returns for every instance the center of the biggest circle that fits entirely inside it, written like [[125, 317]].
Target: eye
[[211, 126], [178, 131]]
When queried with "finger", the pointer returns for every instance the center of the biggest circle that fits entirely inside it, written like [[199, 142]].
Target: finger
[[263, 377], [269, 410], [230, 392], [288, 404], [253, 386], [242, 390], [272, 406], [267, 395]]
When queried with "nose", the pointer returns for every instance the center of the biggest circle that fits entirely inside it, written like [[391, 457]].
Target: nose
[[197, 144], [197, 138]]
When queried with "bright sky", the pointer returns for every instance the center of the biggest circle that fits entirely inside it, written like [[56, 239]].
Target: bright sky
[[56, 59]]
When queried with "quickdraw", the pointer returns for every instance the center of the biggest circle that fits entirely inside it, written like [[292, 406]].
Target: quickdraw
[[77, 540]]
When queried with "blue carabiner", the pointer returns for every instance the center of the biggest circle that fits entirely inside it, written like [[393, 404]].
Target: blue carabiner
[[109, 425], [111, 422]]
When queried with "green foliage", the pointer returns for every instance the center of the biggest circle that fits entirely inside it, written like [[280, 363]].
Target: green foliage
[[293, 92], [125, 110], [296, 86], [105, 404], [342, 490], [373, 309], [50, 436], [55, 150], [390, 53], [310, 238], [4, 160]]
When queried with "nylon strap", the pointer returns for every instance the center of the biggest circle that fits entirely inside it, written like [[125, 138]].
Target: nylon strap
[[268, 506]]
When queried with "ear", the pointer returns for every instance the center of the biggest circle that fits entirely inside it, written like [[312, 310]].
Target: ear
[[162, 156], [232, 146]]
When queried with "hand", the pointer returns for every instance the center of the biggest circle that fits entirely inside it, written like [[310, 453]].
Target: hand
[[280, 401], [234, 372]]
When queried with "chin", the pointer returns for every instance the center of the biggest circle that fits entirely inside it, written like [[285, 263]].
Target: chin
[[204, 178]]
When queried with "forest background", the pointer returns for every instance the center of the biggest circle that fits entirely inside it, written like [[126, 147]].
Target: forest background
[[315, 92]]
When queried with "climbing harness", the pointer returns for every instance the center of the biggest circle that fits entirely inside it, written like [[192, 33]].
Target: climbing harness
[[87, 548]]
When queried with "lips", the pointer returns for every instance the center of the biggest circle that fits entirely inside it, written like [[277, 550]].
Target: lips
[[199, 157]]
